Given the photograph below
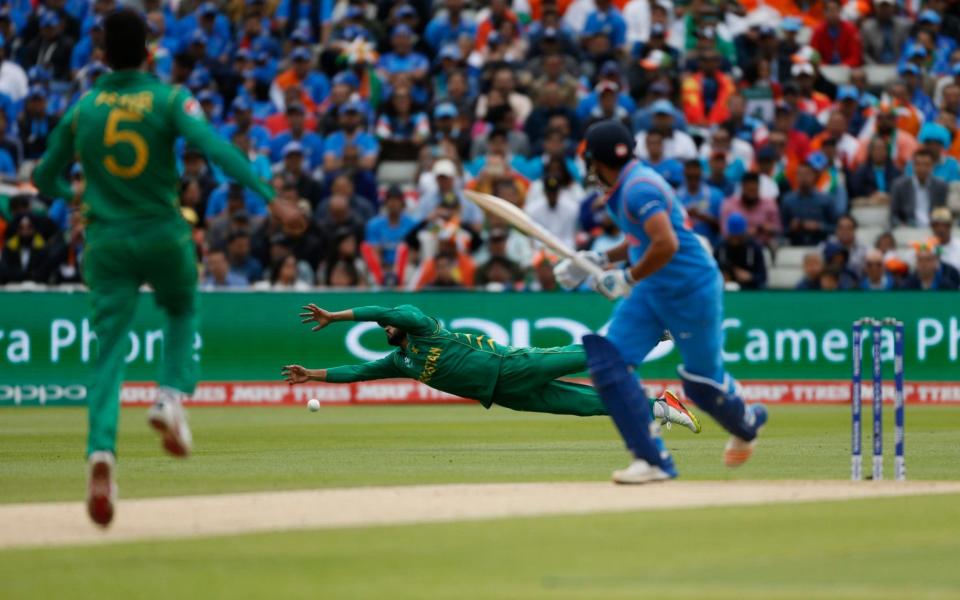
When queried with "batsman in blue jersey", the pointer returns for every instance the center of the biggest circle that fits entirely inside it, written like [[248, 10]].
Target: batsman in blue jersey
[[671, 283]]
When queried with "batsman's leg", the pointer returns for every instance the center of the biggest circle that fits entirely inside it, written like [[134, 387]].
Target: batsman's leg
[[626, 403], [696, 324]]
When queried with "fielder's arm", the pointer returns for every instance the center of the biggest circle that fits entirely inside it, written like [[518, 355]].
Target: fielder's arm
[[377, 369], [48, 176], [192, 124], [404, 317]]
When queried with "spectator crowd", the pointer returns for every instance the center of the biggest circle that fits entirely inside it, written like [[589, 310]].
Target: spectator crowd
[[775, 123]]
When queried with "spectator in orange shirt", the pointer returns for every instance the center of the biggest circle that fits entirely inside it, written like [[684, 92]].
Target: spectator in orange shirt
[[909, 117], [706, 92], [450, 268], [499, 12], [883, 125], [314, 85], [811, 101], [948, 119], [797, 142]]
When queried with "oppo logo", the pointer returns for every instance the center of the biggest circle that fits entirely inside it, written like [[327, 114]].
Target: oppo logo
[[42, 393], [518, 334]]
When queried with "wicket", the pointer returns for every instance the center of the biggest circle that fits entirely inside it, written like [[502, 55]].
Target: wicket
[[856, 459]]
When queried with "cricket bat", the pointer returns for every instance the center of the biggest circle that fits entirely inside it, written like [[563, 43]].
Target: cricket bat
[[520, 220]]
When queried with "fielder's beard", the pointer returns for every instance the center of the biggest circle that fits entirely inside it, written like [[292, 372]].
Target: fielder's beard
[[397, 338]]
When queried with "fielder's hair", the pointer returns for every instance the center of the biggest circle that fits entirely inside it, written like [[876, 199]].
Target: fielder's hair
[[125, 39]]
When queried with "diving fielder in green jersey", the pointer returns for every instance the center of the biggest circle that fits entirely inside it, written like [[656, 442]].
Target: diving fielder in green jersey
[[123, 133], [473, 366]]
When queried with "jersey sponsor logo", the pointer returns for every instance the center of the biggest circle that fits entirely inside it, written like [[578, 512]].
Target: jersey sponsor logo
[[192, 108], [430, 367]]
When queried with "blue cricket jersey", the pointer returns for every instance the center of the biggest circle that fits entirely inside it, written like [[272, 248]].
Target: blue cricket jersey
[[641, 193]]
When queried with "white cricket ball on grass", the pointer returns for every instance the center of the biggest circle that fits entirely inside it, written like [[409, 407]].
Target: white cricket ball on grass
[[313, 405]]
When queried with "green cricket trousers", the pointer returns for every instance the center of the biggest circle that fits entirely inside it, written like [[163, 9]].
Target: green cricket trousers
[[117, 261], [529, 381]]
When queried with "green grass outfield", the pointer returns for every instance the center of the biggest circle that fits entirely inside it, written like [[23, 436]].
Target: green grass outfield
[[884, 548]]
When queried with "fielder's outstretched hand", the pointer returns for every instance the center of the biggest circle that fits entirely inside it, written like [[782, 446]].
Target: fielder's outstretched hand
[[315, 314], [295, 374]]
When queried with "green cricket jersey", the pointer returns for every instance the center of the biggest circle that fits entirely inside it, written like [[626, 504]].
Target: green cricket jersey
[[123, 132], [463, 364]]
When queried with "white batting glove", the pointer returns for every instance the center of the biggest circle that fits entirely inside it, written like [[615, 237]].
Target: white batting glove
[[569, 275], [615, 284]]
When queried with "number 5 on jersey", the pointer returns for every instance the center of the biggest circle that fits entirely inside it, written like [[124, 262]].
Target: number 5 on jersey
[[113, 136]]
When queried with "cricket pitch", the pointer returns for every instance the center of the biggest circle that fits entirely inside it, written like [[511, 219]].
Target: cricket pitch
[[65, 523]]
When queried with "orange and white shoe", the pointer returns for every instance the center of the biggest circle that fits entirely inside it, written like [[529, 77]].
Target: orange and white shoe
[[101, 488], [672, 410], [738, 451], [169, 419]]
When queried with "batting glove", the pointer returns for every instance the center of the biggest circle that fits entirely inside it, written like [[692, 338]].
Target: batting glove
[[570, 275], [615, 284]]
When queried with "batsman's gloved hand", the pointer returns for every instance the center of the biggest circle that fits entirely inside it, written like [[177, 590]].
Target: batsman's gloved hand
[[615, 284], [569, 275]]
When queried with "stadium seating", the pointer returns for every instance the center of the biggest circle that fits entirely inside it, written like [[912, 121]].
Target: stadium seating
[[784, 278], [871, 216], [791, 257], [396, 172]]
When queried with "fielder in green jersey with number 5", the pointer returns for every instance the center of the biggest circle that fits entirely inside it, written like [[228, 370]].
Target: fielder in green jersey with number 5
[[123, 133]]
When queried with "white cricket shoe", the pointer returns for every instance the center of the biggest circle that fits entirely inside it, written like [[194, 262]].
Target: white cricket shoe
[[672, 410], [169, 418], [640, 471], [101, 488]]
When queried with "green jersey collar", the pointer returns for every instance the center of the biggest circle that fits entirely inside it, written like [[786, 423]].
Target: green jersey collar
[[108, 80]]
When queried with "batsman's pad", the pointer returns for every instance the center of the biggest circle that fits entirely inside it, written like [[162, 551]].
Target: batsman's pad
[[625, 401], [721, 401]]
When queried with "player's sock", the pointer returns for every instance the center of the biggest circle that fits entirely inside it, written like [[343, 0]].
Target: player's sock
[[656, 410], [626, 402], [722, 402]]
